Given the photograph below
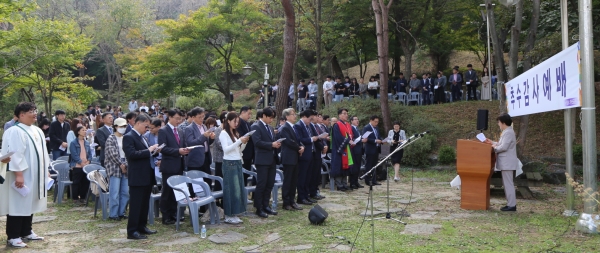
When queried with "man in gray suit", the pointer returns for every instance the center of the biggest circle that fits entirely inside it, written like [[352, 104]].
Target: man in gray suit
[[103, 133], [197, 135], [265, 160], [506, 159]]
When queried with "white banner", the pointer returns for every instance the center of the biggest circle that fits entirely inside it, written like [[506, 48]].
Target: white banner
[[551, 85]]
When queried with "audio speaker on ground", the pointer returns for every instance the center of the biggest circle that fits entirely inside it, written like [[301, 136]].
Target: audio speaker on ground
[[317, 215], [482, 119]]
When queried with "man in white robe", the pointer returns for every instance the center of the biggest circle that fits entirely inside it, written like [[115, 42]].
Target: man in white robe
[[28, 168]]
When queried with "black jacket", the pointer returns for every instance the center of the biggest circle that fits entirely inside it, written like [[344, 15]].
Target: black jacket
[[264, 153], [140, 172], [243, 128], [172, 162], [290, 146], [58, 134]]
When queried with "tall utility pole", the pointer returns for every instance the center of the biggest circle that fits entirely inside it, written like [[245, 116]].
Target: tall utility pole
[[588, 109], [570, 207]]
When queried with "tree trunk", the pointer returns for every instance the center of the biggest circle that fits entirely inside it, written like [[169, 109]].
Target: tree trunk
[[289, 53], [515, 34], [407, 61], [335, 67], [318, 44], [381, 22], [531, 39], [497, 46], [397, 61]]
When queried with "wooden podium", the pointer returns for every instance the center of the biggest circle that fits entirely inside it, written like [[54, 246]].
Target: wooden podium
[[475, 164]]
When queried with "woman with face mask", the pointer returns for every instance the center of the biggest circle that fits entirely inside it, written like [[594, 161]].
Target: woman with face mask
[[116, 169]]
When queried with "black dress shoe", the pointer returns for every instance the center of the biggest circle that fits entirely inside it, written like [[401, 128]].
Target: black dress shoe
[[124, 217], [147, 231], [360, 186], [295, 206], [261, 214], [354, 187], [175, 218], [136, 236], [305, 202], [342, 189], [318, 197], [377, 183], [269, 211], [289, 208], [115, 218], [168, 221], [509, 209], [313, 200]]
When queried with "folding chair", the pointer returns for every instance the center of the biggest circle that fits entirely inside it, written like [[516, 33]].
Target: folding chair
[[63, 181], [193, 206]]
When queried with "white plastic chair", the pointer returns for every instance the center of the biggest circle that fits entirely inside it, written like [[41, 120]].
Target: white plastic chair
[[103, 197], [153, 207], [414, 97], [193, 206], [62, 182]]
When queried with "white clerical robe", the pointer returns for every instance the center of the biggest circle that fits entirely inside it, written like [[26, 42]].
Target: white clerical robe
[[34, 166]]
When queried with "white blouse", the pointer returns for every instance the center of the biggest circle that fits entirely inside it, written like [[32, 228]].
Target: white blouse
[[231, 150]]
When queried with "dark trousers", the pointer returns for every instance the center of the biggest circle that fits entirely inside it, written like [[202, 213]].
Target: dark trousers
[[426, 98], [355, 171], [371, 161], [373, 93], [139, 203], [56, 153], [315, 177], [456, 92], [247, 165], [472, 92], [168, 205], [265, 179], [290, 179], [80, 183], [18, 226], [304, 172], [218, 186]]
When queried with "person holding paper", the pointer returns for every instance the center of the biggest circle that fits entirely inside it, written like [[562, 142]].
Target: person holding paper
[[357, 150], [315, 177], [103, 133], [81, 155], [455, 81], [265, 160], [140, 171], [395, 138], [217, 155], [310, 141], [116, 169], [27, 168], [506, 159], [471, 81], [243, 128], [372, 149], [172, 163], [341, 157], [196, 135], [58, 135], [233, 182], [290, 150]]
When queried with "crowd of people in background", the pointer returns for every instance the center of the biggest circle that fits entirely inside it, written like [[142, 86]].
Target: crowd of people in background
[[434, 88]]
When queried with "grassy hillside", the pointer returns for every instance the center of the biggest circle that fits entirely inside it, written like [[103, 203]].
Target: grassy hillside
[[454, 120]]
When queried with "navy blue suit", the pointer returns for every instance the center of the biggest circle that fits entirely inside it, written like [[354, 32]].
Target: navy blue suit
[[314, 179], [172, 164], [265, 161], [141, 179], [372, 151], [306, 159], [289, 156], [356, 151]]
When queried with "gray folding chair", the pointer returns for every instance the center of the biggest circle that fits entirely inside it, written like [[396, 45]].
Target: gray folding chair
[[87, 169], [196, 174], [414, 97], [249, 188], [278, 184], [63, 158], [103, 197], [401, 97], [62, 181], [153, 207], [193, 206]]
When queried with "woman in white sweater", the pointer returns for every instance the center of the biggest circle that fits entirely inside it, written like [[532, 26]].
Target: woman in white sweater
[[396, 137], [233, 178], [372, 87]]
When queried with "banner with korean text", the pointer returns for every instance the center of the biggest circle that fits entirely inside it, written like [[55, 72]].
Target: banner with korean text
[[551, 85]]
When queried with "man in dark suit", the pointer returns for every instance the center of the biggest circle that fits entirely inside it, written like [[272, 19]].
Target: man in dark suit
[[305, 164], [470, 77], [130, 117], [455, 81], [141, 178], [265, 160], [314, 179], [372, 149], [58, 135], [172, 163], [103, 133], [425, 89], [290, 149], [197, 135], [243, 128], [401, 84], [356, 149]]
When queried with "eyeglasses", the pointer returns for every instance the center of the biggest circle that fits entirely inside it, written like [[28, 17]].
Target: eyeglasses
[[33, 111]]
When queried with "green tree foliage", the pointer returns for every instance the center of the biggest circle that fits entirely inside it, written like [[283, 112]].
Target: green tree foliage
[[204, 50]]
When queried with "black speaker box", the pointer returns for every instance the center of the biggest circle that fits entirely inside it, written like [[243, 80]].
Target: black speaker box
[[317, 215], [482, 119]]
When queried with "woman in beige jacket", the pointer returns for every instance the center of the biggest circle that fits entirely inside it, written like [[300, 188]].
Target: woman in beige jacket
[[506, 159]]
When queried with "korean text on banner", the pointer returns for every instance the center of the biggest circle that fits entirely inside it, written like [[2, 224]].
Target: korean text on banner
[[551, 85]]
